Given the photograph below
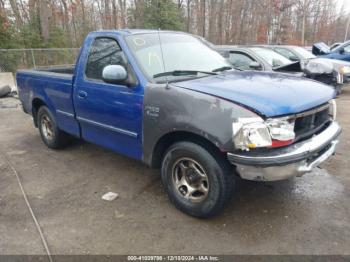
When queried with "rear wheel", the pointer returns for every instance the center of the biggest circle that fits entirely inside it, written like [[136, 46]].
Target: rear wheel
[[50, 134], [197, 183]]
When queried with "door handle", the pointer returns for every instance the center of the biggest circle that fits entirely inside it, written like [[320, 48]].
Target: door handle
[[82, 94]]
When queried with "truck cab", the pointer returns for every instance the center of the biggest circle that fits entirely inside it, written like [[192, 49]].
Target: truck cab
[[167, 99]]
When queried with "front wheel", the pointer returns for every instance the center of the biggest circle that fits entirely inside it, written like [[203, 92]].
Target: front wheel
[[196, 182]]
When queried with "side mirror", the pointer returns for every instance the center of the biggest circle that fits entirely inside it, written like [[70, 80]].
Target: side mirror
[[255, 65], [341, 51], [114, 74], [293, 58]]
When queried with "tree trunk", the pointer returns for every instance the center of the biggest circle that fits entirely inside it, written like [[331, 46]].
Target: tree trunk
[[16, 12], [44, 15]]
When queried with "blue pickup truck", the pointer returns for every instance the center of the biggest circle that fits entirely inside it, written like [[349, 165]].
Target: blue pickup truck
[[167, 99]]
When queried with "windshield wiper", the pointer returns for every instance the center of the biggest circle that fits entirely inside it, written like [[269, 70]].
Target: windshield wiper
[[223, 68], [183, 73]]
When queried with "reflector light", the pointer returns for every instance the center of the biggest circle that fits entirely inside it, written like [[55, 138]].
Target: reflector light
[[279, 143]]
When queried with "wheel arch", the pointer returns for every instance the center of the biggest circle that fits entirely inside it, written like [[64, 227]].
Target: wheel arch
[[36, 104], [179, 136]]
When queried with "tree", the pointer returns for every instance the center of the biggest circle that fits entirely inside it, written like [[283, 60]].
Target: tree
[[163, 14], [65, 23], [8, 33]]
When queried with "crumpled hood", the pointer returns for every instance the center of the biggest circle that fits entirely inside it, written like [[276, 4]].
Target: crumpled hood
[[270, 94], [318, 66], [322, 63], [336, 63]]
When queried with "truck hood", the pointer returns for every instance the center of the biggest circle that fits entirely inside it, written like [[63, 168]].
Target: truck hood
[[319, 66], [337, 64], [270, 94]]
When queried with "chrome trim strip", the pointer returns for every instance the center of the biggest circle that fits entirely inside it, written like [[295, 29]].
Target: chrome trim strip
[[311, 145], [64, 113], [305, 113], [46, 73], [111, 128], [313, 111]]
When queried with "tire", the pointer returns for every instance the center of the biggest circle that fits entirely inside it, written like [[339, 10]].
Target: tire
[[50, 134], [5, 90], [187, 166]]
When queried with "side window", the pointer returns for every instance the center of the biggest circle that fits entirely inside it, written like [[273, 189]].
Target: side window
[[103, 52], [285, 52], [240, 60]]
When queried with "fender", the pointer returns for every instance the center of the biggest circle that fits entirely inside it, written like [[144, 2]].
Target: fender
[[169, 108]]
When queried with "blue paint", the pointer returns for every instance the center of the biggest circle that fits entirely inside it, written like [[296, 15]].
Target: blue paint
[[107, 108], [271, 94], [336, 52]]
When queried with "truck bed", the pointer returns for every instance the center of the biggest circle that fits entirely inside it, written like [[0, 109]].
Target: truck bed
[[54, 85], [65, 70]]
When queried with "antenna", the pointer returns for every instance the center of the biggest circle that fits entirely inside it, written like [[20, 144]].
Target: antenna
[[161, 52]]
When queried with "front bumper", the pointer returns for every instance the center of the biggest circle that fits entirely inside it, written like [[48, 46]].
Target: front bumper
[[286, 162]]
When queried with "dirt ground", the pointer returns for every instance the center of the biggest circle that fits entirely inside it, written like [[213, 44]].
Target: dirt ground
[[307, 215]]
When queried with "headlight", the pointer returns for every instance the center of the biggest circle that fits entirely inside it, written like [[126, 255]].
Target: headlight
[[255, 132], [281, 129]]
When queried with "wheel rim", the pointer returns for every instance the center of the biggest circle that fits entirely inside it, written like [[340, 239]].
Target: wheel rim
[[190, 180], [46, 127]]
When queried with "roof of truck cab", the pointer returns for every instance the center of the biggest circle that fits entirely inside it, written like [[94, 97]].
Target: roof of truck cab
[[134, 31]]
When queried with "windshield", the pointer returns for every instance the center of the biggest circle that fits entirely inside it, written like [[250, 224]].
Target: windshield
[[180, 52], [323, 47], [303, 52], [343, 45], [273, 58]]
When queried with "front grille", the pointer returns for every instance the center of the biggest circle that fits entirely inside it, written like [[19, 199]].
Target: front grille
[[310, 123]]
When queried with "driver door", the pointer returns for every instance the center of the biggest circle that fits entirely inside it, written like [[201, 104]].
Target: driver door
[[109, 114]]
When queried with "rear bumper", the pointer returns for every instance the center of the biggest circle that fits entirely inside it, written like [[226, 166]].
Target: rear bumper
[[283, 163]]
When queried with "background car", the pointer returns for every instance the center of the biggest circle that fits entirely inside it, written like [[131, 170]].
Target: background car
[[307, 59], [341, 52], [254, 58], [266, 59], [335, 45]]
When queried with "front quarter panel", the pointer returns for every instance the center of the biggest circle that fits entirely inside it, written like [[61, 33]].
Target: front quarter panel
[[170, 109]]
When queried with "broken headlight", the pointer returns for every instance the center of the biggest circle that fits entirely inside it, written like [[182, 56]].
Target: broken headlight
[[254, 132]]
